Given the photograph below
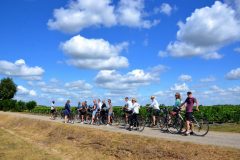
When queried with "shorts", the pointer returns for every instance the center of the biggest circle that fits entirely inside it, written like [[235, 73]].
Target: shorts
[[110, 114], [188, 116], [156, 112], [94, 113], [52, 111], [83, 113], [128, 112], [66, 112]]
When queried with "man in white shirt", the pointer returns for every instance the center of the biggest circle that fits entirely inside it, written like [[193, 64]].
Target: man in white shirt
[[134, 116], [127, 109], [99, 104], [156, 110], [53, 110]]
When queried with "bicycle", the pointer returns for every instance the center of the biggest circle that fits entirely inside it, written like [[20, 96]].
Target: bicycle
[[138, 124], [163, 119], [175, 121], [200, 125]]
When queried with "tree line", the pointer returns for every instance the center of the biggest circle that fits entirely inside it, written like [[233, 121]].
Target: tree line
[[8, 90]]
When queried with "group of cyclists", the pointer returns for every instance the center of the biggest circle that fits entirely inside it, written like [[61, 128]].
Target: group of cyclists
[[104, 111]]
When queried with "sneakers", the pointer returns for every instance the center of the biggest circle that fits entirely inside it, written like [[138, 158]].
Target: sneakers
[[81, 123], [187, 133]]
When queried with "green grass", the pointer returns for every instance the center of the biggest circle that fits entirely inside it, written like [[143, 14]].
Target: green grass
[[227, 127]]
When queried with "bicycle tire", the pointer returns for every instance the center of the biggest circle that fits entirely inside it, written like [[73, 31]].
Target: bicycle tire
[[200, 127], [174, 125]]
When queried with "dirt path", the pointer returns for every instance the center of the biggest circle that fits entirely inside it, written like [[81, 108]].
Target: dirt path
[[212, 138]]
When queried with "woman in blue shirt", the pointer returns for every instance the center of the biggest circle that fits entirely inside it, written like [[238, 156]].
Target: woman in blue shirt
[[67, 111]]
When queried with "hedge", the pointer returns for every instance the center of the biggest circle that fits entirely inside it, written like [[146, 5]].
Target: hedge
[[218, 114]]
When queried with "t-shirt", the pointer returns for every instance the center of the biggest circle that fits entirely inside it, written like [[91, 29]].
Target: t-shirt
[[190, 103], [136, 108], [52, 106], [155, 104], [177, 103], [99, 105], [110, 108], [129, 105]]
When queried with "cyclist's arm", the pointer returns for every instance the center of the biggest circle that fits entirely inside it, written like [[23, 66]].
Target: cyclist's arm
[[196, 104]]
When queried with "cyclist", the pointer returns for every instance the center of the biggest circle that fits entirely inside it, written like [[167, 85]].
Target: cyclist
[[155, 106], [83, 111], [99, 105], [67, 111], [135, 113], [177, 105], [94, 110], [110, 112], [103, 112], [127, 109], [190, 101], [53, 110]]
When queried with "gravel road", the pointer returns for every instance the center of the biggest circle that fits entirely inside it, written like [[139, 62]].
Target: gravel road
[[212, 138]]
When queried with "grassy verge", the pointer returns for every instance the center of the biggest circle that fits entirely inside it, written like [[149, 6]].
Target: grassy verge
[[12, 147], [73, 142], [227, 127]]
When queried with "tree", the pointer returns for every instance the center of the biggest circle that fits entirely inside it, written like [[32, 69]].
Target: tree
[[7, 88], [21, 106], [31, 105]]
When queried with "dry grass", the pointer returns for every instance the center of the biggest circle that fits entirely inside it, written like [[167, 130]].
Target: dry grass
[[73, 142], [13, 147]]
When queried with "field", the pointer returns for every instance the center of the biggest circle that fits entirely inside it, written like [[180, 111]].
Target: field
[[61, 141]]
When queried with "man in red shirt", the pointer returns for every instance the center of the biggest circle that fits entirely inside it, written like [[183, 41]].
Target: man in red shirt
[[190, 101]]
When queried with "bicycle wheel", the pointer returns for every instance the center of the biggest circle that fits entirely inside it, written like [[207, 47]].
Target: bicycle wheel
[[200, 127], [174, 125], [140, 125], [162, 123]]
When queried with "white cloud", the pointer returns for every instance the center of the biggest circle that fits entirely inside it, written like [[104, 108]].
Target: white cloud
[[165, 8], [82, 14], [208, 79], [131, 13], [162, 54], [24, 91], [94, 53], [235, 89], [213, 55], [207, 30], [127, 83], [234, 74], [20, 69], [78, 85], [180, 87], [237, 49], [185, 78]]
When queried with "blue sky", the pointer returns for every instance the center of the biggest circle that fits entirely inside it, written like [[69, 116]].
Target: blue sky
[[59, 50]]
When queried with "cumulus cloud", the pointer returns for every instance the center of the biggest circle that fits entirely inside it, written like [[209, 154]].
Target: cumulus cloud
[[94, 53], [131, 13], [119, 83], [82, 14], [207, 30], [185, 78], [165, 8], [180, 87], [24, 91], [237, 49], [234, 74], [20, 69], [78, 85], [208, 79]]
